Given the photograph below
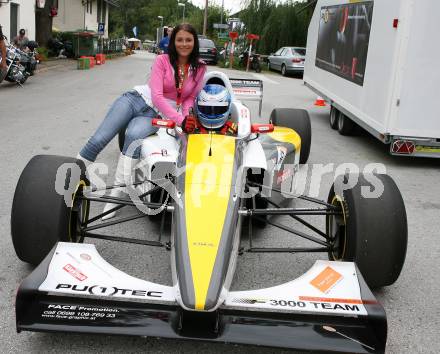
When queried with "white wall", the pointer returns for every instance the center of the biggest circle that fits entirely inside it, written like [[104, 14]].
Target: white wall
[[26, 17], [72, 15]]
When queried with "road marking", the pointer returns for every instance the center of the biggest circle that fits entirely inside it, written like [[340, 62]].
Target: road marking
[[264, 78]]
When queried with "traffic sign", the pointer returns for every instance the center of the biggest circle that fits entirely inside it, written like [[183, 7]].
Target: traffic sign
[[223, 35], [221, 25], [233, 35], [101, 28]]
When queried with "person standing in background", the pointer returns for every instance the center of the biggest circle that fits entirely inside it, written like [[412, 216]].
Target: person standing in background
[[165, 41]]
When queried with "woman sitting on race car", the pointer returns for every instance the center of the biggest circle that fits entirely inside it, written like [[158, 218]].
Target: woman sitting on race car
[[176, 79]]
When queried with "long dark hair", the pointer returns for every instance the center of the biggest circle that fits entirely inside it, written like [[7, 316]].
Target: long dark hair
[[194, 60]]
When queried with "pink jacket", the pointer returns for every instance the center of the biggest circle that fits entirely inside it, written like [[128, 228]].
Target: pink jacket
[[163, 88]]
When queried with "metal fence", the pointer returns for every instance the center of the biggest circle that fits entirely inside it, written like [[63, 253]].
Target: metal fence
[[107, 45]]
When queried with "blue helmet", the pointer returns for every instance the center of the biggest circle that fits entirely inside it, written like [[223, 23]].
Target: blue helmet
[[213, 104]]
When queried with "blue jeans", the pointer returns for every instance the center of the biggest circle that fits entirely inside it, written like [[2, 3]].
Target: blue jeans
[[129, 110]]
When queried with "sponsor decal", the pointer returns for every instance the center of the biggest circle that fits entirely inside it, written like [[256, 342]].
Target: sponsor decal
[[246, 91], [326, 280], [244, 113], [78, 312], [284, 174], [345, 301], [76, 273], [163, 152], [203, 244], [240, 82], [305, 303], [343, 40], [249, 301], [85, 256], [109, 291], [282, 153]]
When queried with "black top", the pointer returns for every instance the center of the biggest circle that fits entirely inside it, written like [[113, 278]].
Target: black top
[[1, 33]]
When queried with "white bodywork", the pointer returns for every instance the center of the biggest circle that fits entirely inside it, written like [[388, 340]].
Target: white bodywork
[[399, 96], [327, 288]]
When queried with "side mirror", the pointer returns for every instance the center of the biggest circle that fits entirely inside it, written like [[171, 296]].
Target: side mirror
[[262, 128], [163, 123]]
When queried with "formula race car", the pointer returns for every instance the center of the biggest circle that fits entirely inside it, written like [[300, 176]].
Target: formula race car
[[212, 186]]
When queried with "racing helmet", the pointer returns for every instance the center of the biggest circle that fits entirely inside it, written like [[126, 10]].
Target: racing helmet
[[213, 105]]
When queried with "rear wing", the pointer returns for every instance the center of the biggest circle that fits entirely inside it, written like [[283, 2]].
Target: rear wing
[[248, 90]]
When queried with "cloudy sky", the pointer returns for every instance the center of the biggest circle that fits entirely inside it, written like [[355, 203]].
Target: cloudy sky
[[229, 5]]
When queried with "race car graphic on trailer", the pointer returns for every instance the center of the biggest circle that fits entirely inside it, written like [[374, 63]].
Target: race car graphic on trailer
[[211, 185]]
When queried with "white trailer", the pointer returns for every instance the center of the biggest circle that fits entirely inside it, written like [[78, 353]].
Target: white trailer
[[378, 64]]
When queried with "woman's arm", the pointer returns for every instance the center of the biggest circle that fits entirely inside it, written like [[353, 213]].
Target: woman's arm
[[189, 101], [156, 86]]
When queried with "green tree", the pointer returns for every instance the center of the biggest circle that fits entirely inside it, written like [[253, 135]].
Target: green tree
[[277, 24], [43, 23]]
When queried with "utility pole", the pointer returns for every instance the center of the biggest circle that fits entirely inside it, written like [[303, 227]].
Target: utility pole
[[205, 19], [221, 14]]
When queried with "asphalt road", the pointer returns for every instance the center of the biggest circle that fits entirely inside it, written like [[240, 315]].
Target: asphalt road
[[59, 109]]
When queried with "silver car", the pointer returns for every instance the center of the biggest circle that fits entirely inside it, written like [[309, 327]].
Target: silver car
[[288, 60]]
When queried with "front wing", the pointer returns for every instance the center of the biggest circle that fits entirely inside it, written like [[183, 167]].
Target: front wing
[[329, 308]]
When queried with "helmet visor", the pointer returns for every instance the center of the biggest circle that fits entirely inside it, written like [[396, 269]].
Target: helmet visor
[[213, 111]]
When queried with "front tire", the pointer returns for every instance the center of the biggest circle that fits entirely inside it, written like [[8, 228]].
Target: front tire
[[372, 232], [298, 120], [40, 216], [283, 70]]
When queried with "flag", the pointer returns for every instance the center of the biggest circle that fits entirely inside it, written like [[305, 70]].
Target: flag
[[135, 30]]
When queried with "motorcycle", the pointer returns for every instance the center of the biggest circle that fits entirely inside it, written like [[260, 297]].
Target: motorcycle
[[28, 58], [15, 71], [254, 62], [61, 49]]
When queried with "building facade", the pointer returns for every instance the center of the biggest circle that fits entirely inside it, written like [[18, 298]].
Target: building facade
[[17, 14], [74, 15]]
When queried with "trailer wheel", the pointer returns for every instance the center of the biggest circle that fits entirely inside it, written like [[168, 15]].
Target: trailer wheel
[[372, 232], [298, 120], [334, 115], [345, 125], [40, 216]]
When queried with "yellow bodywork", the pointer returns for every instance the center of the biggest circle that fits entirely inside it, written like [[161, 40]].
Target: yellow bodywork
[[207, 192], [286, 135]]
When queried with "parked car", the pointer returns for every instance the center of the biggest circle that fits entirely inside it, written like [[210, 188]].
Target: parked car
[[288, 60], [208, 51]]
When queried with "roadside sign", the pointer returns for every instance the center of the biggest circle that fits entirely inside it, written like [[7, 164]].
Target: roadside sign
[[223, 35], [101, 28], [233, 35], [221, 25]]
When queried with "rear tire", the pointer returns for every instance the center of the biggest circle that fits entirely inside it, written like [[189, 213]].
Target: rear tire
[[372, 232], [345, 125], [40, 217], [298, 120], [334, 116]]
